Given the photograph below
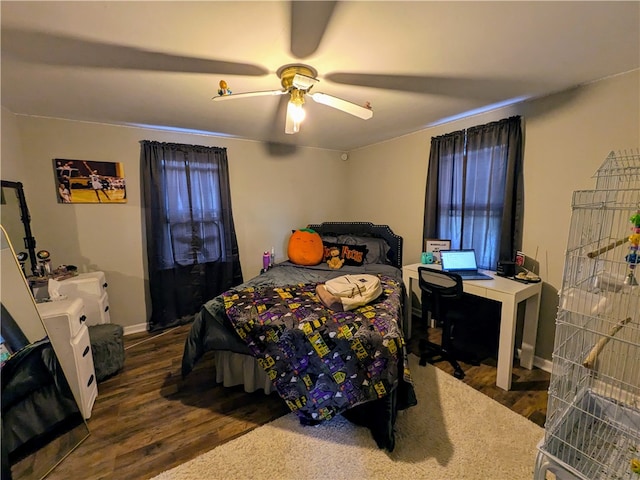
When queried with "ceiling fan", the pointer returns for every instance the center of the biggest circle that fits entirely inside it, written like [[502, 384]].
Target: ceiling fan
[[297, 80], [309, 21]]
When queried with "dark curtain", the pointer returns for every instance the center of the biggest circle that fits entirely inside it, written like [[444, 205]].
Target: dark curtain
[[474, 194], [445, 158], [192, 247]]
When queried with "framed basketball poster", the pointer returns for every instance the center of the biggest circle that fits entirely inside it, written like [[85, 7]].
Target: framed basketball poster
[[89, 181]]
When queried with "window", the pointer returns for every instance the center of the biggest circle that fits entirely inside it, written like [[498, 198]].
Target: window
[[474, 190], [192, 248], [193, 213]]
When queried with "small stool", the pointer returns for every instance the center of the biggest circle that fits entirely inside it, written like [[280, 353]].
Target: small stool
[[107, 348]]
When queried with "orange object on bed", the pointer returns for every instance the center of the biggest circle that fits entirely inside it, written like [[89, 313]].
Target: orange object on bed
[[305, 247]]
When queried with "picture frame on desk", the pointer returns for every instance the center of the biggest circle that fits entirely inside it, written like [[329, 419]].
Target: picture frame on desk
[[434, 246]]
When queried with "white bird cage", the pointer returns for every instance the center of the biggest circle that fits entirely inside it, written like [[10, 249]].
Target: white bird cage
[[593, 415]]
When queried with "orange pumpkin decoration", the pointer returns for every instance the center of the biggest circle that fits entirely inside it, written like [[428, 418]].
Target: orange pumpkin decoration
[[305, 247]]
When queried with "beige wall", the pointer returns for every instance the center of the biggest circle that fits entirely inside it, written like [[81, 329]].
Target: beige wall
[[12, 167], [10, 216], [567, 137], [270, 196]]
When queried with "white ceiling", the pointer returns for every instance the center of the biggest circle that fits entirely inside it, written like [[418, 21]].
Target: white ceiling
[[417, 63]]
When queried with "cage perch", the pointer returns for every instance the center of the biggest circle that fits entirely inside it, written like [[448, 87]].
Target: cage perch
[[590, 360]]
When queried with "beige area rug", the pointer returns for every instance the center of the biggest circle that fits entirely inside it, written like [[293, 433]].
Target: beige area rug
[[454, 433]]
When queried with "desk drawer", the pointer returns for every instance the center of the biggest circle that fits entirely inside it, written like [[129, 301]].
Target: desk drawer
[[97, 309], [474, 290], [84, 284], [84, 384], [62, 318]]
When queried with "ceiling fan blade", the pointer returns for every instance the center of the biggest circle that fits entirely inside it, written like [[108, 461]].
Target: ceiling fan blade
[[344, 105], [262, 93], [309, 20], [474, 88], [55, 49]]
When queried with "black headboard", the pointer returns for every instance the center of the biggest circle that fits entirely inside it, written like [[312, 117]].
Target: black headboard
[[365, 229]]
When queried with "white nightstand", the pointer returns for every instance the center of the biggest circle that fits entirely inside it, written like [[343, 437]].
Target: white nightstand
[[64, 321], [92, 289]]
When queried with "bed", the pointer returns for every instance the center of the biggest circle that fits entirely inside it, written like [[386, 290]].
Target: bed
[[273, 332]]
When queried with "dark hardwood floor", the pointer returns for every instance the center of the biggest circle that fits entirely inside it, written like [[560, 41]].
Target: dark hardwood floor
[[147, 419], [528, 394]]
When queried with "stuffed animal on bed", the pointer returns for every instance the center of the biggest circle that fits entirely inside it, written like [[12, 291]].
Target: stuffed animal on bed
[[305, 247], [335, 262]]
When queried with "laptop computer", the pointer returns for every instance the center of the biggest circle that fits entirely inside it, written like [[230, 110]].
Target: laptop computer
[[462, 262]]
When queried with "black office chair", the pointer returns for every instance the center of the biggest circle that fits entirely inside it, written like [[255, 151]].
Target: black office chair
[[442, 294]]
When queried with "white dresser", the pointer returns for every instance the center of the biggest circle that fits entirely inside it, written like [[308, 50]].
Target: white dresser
[[65, 324], [92, 289]]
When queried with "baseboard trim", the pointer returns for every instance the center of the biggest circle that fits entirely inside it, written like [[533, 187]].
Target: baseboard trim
[[138, 328], [543, 364]]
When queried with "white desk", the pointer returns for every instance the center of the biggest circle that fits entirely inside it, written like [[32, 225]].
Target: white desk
[[509, 293]]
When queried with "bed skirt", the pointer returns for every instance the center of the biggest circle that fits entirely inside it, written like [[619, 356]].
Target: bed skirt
[[237, 369]]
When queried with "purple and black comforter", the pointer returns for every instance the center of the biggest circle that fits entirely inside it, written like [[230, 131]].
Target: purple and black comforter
[[322, 362]]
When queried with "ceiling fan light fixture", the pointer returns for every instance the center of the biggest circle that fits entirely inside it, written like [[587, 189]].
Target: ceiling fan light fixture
[[295, 111], [297, 80], [306, 76]]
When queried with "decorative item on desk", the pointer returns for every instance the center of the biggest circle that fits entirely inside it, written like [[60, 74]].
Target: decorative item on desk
[[506, 269], [427, 257], [434, 246], [63, 272], [22, 258], [44, 263], [68, 268], [527, 277]]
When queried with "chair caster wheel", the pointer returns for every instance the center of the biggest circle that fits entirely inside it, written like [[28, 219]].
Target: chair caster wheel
[[459, 374]]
